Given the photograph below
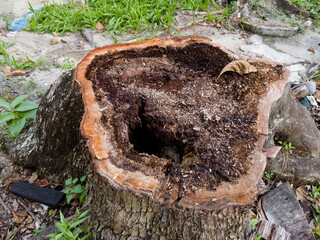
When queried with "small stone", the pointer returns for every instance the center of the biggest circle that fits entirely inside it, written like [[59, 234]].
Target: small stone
[[53, 41]]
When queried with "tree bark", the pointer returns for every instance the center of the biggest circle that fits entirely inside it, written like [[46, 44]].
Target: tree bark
[[134, 204]]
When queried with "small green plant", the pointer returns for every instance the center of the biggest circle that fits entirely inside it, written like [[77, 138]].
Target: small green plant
[[253, 220], [258, 238], [73, 189], [315, 193], [268, 176], [5, 18], [68, 65], [70, 230], [20, 63], [38, 231], [16, 113], [286, 146]]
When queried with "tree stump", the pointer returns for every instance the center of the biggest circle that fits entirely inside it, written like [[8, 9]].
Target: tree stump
[[171, 151]]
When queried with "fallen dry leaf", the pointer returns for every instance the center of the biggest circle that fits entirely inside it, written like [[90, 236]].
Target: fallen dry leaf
[[19, 217], [12, 181], [3, 32], [63, 41], [239, 66], [218, 25], [53, 41], [6, 69], [33, 177], [56, 34], [99, 26], [42, 183], [17, 73], [311, 50]]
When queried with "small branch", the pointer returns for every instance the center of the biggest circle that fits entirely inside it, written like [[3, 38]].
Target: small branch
[[26, 208], [5, 206]]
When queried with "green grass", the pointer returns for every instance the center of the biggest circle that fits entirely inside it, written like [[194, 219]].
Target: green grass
[[5, 59], [116, 15], [312, 6]]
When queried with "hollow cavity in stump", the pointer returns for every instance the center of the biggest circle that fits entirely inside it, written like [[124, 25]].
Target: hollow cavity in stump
[[168, 113]]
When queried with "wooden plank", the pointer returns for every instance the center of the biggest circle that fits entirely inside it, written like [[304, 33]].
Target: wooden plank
[[270, 231], [39, 194], [281, 207]]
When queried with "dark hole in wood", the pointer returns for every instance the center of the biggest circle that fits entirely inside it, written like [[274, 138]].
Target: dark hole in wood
[[148, 139]]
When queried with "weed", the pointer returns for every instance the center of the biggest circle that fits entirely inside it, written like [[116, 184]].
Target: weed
[[116, 16], [5, 18], [315, 193], [17, 113], [38, 231], [21, 63], [68, 65], [70, 230], [72, 189], [268, 176], [253, 220], [287, 146]]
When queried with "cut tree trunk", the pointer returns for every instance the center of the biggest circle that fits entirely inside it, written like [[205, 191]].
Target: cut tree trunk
[[171, 151]]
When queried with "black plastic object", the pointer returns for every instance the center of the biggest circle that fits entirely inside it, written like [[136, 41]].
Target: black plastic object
[[43, 195]]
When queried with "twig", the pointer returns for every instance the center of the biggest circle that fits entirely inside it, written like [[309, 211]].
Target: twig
[[5, 206], [26, 208]]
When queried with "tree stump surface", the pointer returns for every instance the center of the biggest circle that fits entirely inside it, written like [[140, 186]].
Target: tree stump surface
[[171, 151]]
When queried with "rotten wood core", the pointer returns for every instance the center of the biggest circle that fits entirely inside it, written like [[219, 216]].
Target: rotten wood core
[[159, 122]]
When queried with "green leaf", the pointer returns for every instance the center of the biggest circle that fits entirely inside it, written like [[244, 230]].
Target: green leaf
[[16, 126], [62, 219], [75, 224], [51, 212], [68, 181], [83, 214], [7, 116], [86, 236], [28, 114], [77, 189], [18, 100], [83, 178], [69, 197], [26, 106], [5, 104], [75, 180]]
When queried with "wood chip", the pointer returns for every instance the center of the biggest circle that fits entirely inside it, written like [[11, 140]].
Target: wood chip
[[53, 41], [17, 73], [311, 50], [269, 230]]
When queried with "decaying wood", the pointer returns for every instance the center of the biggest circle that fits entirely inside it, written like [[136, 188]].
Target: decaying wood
[[281, 207], [298, 170], [290, 122], [184, 188], [271, 231]]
